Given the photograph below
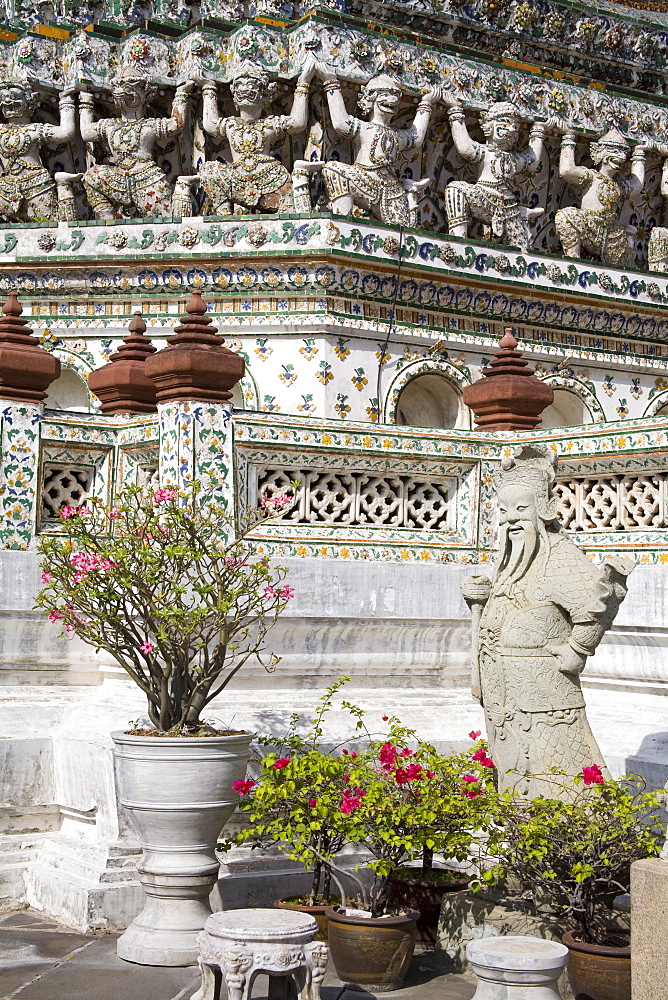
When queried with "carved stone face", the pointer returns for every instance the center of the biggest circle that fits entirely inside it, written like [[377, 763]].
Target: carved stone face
[[504, 131], [248, 92], [387, 100], [14, 102], [615, 158], [518, 507]]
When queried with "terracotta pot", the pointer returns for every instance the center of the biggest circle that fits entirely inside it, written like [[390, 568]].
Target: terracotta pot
[[597, 971], [373, 953], [426, 897], [319, 912]]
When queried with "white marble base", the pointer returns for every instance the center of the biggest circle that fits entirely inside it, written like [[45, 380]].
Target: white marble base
[[517, 967]]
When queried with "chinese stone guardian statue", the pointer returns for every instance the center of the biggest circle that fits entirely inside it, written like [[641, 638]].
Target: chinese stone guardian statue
[[255, 180], [595, 226], [133, 184], [27, 190], [492, 199], [534, 624], [372, 181]]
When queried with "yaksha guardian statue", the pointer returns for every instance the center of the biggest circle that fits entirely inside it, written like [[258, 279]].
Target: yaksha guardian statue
[[372, 181], [534, 625], [27, 190], [255, 180], [133, 184], [595, 226], [492, 199]]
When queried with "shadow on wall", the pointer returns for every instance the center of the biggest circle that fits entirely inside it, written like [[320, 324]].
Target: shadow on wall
[[68, 392], [431, 401], [567, 410], [651, 760]]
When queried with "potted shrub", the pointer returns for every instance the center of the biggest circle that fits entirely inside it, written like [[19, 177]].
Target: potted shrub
[[156, 582], [422, 886], [290, 804], [401, 797], [576, 849]]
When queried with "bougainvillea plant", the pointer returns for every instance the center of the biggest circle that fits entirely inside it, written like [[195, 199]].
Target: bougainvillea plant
[[156, 582], [300, 783], [578, 846], [394, 797]]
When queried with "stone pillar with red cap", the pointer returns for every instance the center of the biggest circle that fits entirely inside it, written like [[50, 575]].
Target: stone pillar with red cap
[[26, 372], [194, 377], [509, 396]]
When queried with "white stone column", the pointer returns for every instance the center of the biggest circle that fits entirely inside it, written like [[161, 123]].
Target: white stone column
[[20, 483], [196, 443]]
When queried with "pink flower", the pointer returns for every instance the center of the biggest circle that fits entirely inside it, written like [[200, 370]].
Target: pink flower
[[114, 514], [482, 758], [387, 756], [345, 777], [467, 790], [243, 787], [475, 734], [164, 530], [403, 775], [471, 794], [46, 577], [287, 592], [405, 752], [164, 493], [281, 763], [350, 802], [353, 755], [431, 774], [66, 511], [233, 562], [69, 628], [469, 778], [54, 615], [277, 502], [385, 718], [147, 647], [592, 775], [345, 752], [270, 592], [312, 802]]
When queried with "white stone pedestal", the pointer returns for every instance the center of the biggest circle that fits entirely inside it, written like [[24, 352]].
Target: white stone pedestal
[[649, 929], [517, 968]]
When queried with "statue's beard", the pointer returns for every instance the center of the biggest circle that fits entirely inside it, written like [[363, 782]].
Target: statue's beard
[[517, 550]]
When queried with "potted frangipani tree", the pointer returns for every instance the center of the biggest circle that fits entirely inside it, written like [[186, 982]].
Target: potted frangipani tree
[[575, 849], [174, 591]]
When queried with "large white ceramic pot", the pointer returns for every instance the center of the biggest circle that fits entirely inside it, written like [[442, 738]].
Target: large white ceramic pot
[[178, 791]]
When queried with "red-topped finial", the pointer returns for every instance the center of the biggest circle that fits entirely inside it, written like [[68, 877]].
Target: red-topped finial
[[195, 365], [509, 397], [122, 385], [26, 369]]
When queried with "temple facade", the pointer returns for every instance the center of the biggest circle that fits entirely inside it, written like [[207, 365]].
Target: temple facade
[[366, 195]]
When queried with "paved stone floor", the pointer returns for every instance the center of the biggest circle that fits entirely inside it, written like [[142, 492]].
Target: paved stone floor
[[40, 960]]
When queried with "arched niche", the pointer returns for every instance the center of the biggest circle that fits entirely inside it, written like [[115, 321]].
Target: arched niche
[[68, 392], [430, 400], [568, 410]]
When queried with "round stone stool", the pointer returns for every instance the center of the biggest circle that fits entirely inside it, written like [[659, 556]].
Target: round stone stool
[[517, 967], [242, 944]]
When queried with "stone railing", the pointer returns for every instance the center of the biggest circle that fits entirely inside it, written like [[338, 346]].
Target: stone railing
[[340, 497], [613, 503], [372, 491]]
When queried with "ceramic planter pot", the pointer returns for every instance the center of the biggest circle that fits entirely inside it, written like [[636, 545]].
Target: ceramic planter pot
[[319, 912], [598, 972], [178, 791], [373, 953], [426, 897]]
